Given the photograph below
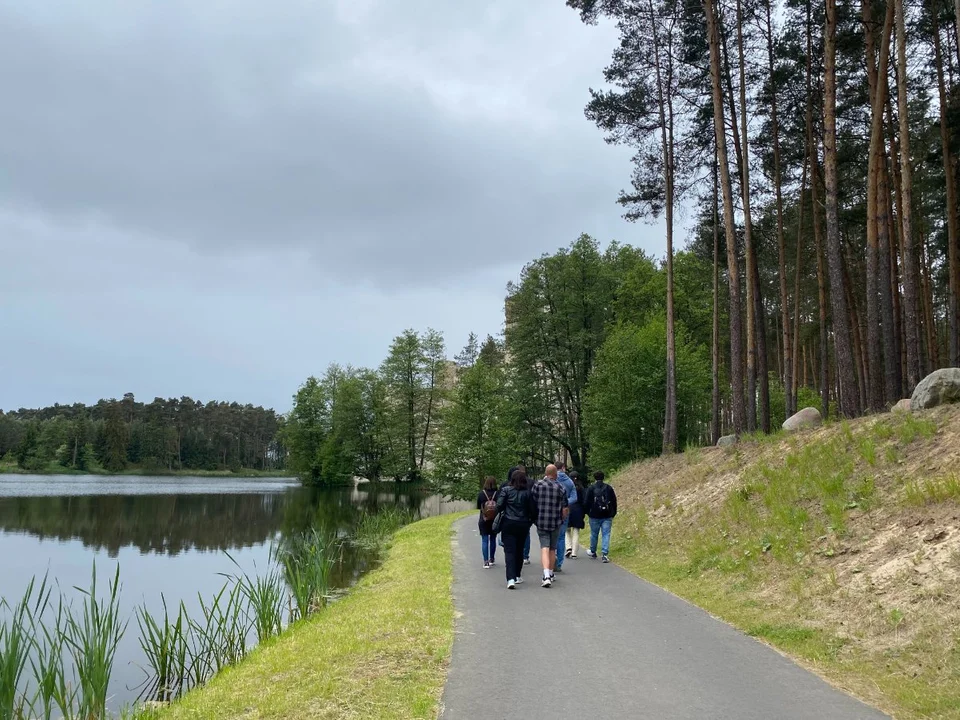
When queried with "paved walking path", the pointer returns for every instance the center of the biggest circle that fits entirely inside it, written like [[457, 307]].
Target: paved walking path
[[603, 643]]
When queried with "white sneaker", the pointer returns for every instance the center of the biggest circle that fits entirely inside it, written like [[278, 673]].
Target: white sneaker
[[527, 561], [547, 582], [519, 581], [511, 584]]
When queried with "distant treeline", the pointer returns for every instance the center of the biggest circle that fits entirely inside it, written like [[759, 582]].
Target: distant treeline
[[166, 434]]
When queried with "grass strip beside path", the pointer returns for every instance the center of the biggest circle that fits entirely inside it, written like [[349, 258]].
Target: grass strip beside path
[[380, 652]]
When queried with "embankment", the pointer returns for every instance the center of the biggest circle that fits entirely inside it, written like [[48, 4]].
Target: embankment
[[839, 546], [380, 652]]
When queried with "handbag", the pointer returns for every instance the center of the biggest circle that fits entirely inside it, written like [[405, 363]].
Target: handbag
[[497, 523]]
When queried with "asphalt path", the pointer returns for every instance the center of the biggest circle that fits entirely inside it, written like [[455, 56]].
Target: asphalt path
[[603, 643]]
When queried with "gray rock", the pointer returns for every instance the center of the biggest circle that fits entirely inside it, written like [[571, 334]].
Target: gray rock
[[901, 406], [727, 441], [807, 418], [940, 387]]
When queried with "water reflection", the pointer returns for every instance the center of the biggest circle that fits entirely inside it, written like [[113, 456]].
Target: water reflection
[[179, 516]]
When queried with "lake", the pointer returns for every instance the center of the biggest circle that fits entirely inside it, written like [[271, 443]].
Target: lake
[[170, 536]]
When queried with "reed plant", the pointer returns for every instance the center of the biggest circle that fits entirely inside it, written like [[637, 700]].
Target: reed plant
[[307, 561], [265, 596], [219, 638], [54, 694], [92, 635], [17, 625], [374, 530], [164, 642]]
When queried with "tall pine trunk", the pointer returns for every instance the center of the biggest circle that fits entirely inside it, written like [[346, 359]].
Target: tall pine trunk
[[758, 325], [910, 271], [715, 344], [730, 234], [891, 372], [846, 372], [874, 354], [665, 102], [790, 399], [953, 342]]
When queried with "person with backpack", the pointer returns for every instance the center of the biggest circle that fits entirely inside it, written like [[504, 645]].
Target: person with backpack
[[487, 505], [518, 508], [567, 484], [575, 521], [601, 506]]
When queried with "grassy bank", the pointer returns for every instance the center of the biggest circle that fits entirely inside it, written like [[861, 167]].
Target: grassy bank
[[379, 652], [840, 547]]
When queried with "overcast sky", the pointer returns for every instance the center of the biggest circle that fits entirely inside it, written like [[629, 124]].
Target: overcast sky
[[218, 198]]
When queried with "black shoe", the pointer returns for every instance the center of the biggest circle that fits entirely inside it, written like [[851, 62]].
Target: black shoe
[[606, 559]]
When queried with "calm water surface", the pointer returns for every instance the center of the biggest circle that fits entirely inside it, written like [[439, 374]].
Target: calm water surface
[[171, 536]]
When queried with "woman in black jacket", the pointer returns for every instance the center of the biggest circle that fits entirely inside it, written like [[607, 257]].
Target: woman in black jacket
[[575, 521], [488, 538], [519, 509]]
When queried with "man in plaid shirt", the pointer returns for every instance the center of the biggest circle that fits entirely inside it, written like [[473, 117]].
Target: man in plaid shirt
[[552, 510]]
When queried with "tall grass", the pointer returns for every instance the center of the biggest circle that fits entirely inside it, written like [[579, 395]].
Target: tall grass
[[92, 634], [16, 644], [265, 598], [164, 643], [219, 638], [307, 560], [375, 529], [53, 691]]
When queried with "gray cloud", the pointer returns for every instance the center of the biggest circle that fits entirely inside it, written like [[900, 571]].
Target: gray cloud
[[442, 136], [219, 198]]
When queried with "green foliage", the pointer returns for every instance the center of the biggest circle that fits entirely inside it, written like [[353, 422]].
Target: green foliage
[[161, 436], [557, 318], [28, 451], [416, 376], [625, 396], [479, 437]]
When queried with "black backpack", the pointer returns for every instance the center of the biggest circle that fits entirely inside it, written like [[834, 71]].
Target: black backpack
[[601, 501]]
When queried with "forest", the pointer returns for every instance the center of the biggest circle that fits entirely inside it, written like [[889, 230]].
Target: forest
[[816, 144], [809, 148], [166, 435]]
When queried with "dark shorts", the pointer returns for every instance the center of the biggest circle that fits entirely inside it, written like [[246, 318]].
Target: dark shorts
[[548, 538]]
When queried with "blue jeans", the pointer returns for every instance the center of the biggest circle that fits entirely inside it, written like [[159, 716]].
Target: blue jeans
[[489, 545], [596, 526], [562, 543]]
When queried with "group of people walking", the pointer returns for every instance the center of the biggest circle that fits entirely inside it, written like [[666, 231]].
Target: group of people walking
[[558, 505]]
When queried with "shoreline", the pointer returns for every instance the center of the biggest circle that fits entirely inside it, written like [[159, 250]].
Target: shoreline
[[141, 472], [380, 651]]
